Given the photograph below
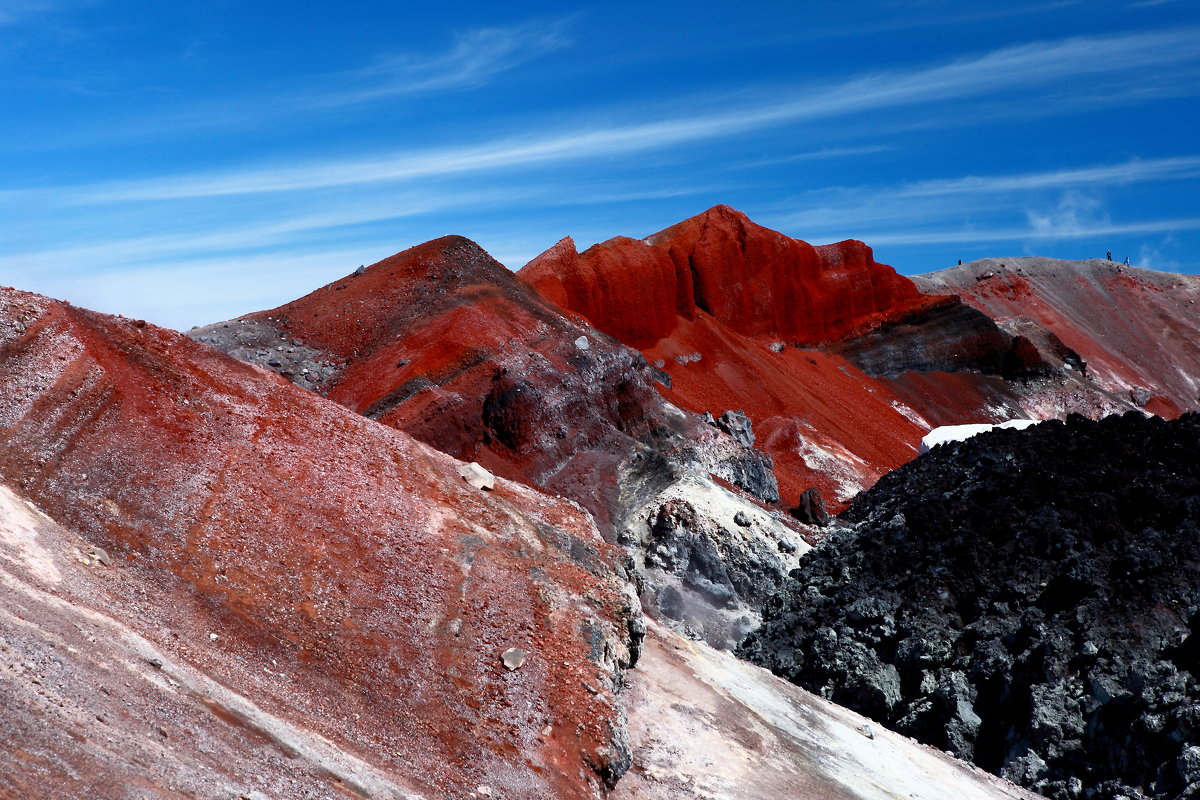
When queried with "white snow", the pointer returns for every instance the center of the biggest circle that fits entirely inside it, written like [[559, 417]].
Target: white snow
[[958, 433]]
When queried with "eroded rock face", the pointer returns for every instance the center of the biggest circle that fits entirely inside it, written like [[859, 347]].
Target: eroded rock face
[[838, 363], [708, 558], [1136, 329], [321, 567], [1025, 598], [749, 278]]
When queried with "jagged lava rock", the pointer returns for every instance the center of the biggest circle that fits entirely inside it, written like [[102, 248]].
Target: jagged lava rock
[[1136, 329], [1025, 598], [357, 586]]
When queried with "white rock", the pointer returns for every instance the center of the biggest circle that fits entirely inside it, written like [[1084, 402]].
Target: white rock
[[477, 476], [582, 343]]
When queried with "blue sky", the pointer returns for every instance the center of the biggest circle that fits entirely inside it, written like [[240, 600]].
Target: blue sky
[[191, 161]]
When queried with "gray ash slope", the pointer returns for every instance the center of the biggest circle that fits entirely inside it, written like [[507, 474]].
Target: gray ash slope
[[1027, 599]]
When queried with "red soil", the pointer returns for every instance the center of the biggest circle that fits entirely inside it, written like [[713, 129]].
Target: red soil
[[322, 547]]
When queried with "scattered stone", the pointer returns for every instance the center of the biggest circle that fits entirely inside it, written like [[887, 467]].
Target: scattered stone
[[741, 520], [776, 347], [477, 476], [737, 425], [98, 555], [1140, 396], [484, 791], [154, 662], [582, 343], [360, 270], [513, 658], [811, 509]]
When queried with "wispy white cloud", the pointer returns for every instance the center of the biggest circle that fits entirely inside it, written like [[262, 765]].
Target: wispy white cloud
[[987, 235], [1134, 171], [1074, 215], [834, 211], [292, 227], [1018, 70], [813, 155], [474, 59]]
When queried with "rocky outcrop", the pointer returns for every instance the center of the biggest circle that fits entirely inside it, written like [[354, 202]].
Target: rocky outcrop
[[1026, 599], [295, 575], [1135, 329]]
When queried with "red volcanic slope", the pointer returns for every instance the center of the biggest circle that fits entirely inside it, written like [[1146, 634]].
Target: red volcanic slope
[[445, 343], [1135, 328], [737, 315], [356, 586]]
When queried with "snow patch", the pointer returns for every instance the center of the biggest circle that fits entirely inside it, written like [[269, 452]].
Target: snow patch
[[958, 433]]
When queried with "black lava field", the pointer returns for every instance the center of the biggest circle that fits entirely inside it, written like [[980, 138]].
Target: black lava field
[[1029, 600]]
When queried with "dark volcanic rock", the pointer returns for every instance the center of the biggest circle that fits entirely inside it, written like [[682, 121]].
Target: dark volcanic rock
[[1027, 599], [811, 509]]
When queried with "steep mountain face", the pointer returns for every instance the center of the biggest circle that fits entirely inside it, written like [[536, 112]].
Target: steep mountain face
[[751, 279], [1027, 599], [1136, 329], [444, 343], [330, 589], [840, 364]]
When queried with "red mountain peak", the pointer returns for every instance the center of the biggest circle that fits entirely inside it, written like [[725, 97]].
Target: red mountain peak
[[755, 280]]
